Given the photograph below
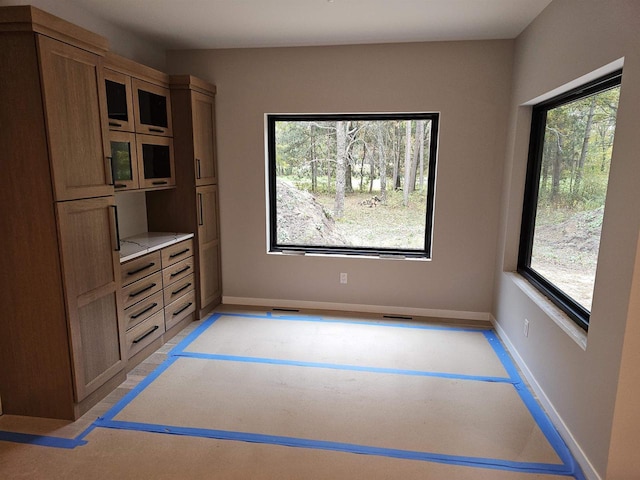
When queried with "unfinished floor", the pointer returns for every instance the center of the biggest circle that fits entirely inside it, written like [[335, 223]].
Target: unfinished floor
[[255, 394]]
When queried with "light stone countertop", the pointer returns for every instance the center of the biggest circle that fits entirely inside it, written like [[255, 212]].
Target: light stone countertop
[[138, 245]]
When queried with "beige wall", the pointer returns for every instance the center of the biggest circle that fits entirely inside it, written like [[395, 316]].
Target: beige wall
[[570, 39], [121, 41], [468, 82]]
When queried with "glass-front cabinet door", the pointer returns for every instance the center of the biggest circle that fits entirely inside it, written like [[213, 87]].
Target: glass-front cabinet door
[[155, 161], [152, 108], [124, 161], [119, 101]]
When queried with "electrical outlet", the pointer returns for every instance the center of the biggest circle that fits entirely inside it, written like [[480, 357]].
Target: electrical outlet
[[344, 278], [526, 327]]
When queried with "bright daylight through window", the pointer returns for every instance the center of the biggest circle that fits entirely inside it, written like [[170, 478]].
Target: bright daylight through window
[[359, 184], [569, 158]]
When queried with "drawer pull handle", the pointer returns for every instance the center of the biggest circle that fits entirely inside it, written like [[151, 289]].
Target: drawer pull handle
[[135, 294], [177, 254], [162, 182], [159, 130], [181, 289], [119, 185], [141, 269], [198, 173], [150, 307], [145, 335], [178, 312], [115, 124], [182, 270]]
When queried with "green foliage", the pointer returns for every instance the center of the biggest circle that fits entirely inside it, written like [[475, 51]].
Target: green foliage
[[577, 152]]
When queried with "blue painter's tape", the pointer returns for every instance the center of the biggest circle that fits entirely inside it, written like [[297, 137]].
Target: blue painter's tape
[[333, 366], [541, 418], [490, 463], [124, 401], [193, 335], [41, 440], [299, 318], [567, 468]]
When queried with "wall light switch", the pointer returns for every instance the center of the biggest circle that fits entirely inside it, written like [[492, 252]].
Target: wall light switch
[[526, 327], [344, 278]]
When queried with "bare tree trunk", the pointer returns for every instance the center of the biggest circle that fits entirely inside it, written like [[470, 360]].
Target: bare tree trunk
[[556, 166], [341, 167], [407, 162], [314, 165], [396, 159], [417, 145], [364, 157], [585, 146], [427, 133], [382, 165]]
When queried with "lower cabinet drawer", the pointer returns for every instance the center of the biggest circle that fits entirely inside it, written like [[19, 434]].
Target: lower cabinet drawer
[[178, 289], [179, 309], [140, 267], [142, 310], [141, 289], [177, 271], [144, 333]]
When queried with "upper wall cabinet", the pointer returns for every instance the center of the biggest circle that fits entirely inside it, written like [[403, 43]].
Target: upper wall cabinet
[[119, 101], [138, 97], [140, 123], [195, 137], [76, 120], [204, 140], [152, 107]]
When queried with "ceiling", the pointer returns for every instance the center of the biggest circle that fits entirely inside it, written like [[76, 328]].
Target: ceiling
[[189, 24]]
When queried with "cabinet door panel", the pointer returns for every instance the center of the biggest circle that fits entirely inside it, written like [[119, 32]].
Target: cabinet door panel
[[87, 236], [119, 101], [204, 145], [100, 338], [152, 108], [207, 214], [124, 160], [75, 105], [210, 285], [208, 245]]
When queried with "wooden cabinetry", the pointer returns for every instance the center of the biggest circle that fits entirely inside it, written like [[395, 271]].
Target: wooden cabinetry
[[90, 262], [178, 281], [152, 108], [139, 102], [204, 140], [209, 244], [157, 294], [193, 205], [119, 101], [61, 344], [76, 118]]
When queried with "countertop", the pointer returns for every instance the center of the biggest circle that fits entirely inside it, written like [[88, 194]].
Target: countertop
[[138, 245]]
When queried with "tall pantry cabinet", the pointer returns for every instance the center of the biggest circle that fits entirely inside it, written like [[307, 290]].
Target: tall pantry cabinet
[[61, 341], [193, 205]]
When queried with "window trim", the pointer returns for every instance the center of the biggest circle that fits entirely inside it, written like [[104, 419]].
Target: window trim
[[573, 309], [275, 247]]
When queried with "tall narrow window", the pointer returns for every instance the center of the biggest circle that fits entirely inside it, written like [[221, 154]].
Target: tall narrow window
[[357, 184], [568, 171]]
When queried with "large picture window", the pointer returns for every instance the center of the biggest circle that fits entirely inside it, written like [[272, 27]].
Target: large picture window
[[568, 171], [357, 184]]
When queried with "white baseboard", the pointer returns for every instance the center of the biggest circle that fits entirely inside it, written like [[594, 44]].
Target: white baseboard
[[352, 307], [587, 468]]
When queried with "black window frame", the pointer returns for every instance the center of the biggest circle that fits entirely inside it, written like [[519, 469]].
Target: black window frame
[[275, 247], [573, 309]]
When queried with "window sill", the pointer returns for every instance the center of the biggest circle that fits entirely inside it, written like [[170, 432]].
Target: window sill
[[342, 255], [563, 321]]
